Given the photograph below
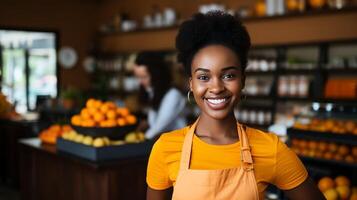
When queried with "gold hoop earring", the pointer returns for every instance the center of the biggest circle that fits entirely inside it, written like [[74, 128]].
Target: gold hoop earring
[[188, 97]]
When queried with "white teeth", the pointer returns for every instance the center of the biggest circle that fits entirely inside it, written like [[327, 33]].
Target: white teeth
[[216, 101]]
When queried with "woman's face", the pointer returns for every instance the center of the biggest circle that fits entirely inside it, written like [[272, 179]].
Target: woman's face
[[216, 80], [142, 74]]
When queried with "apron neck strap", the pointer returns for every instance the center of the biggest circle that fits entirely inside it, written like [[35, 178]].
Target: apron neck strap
[[187, 147]]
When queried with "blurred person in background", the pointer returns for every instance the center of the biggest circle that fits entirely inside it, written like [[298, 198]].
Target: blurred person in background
[[165, 104]]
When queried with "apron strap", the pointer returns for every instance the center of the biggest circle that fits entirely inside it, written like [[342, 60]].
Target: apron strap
[[246, 156], [187, 147]]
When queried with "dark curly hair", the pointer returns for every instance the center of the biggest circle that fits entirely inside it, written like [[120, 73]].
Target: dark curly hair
[[215, 27], [161, 78]]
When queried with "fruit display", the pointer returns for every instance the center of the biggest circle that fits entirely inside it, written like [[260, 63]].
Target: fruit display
[[325, 150], [51, 134], [329, 125], [133, 137], [103, 114], [337, 188]]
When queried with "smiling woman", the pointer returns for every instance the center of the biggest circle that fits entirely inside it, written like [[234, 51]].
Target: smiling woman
[[216, 157]]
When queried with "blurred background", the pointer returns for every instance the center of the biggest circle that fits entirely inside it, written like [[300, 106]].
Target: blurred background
[[60, 57]]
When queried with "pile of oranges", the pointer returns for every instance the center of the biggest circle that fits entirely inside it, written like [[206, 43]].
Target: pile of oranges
[[325, 150], [337, 188], [329, 125], [103, 114], [51, 134]]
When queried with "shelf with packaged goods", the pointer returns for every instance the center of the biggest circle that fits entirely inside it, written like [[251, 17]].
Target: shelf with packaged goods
[[268, 31], [318, 100], [306, 159], [349, 139]]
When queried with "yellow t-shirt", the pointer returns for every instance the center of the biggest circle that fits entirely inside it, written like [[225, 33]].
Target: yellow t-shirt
[[273, 161]]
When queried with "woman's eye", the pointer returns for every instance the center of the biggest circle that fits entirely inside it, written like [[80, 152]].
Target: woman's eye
[[228, 76], [203, 77]]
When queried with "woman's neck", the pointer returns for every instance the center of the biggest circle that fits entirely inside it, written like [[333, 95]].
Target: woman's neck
[[213, 131]]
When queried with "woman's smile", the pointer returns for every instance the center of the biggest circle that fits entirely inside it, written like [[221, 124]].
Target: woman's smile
[[217, 103]]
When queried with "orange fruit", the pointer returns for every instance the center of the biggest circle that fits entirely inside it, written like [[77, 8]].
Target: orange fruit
[[342, 181], [131, 119], [123, 112], [55, 128], [328, 155], [343, 150], [303, 144], [66, 128], [85, 113], [104, 108], [338, 157], [111, 114], [332, 147], [350, 159], [90, 103], [312, 144], [343, 191], [76, 120], [325, 184], [98, 117], [111, 122], [319, 154], [88, 123], [354, 151], [295, 142], [111, 104], [98, 104], [92, 111], [121, 122], [103, 124], [322, 146]]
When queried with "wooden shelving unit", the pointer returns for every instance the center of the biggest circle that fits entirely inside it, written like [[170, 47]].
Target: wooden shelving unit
[[311, 27]]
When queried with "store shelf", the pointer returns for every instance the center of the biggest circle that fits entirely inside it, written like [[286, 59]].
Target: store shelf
[[263, 32], [318, 100], [297, 71], [323, 136], [341, 71], [258, 97], [260, 73], [328, 162]]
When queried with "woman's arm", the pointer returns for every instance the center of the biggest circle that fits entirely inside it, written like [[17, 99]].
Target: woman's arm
[[152, 194], [306, 190]]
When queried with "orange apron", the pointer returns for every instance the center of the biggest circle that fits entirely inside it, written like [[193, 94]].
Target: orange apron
[[234, 183]]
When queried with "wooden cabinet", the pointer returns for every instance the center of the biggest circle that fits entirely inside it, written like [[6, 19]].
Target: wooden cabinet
[[48, 174]]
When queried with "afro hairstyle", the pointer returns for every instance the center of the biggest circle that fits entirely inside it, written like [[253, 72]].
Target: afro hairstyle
[[213, 28]]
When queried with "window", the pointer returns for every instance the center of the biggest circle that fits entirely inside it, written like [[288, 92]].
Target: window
[[27, 67]]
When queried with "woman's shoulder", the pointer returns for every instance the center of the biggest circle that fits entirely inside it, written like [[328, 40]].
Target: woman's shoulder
[[172, 140], [262, 142]]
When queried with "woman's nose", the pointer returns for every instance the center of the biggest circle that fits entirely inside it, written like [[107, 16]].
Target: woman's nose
[[216, 86]]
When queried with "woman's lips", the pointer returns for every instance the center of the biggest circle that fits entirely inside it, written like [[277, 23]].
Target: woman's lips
[[217, 103]]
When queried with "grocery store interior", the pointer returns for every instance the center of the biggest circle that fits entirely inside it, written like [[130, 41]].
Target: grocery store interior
[[73, 126]]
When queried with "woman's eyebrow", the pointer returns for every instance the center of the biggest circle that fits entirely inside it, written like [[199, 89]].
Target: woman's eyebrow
[[201, 69], [230, 67]]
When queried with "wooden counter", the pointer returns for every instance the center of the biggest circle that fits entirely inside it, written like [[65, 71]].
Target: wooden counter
[[48, 174], [10, 132]]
